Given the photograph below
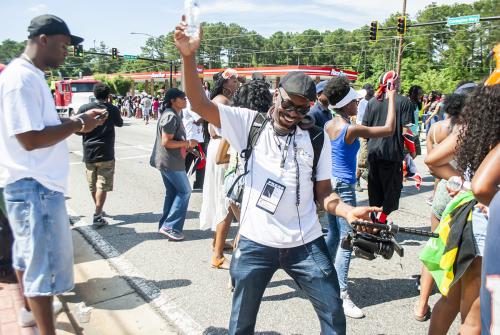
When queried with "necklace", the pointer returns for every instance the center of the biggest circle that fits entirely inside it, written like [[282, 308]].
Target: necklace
[[26, 58]]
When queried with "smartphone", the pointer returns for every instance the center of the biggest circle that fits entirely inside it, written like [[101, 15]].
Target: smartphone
[[103, 115]]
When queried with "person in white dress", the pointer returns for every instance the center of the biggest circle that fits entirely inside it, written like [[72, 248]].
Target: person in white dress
[[214, 214]]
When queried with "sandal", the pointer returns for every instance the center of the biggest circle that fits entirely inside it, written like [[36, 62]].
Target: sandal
[[426, 316], [220, 263]]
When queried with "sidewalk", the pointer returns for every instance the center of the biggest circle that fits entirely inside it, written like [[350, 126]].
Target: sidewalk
[[117, 308], [11, 302]]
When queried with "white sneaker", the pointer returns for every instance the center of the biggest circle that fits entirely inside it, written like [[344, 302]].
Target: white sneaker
[[27, 319], [350, 309]]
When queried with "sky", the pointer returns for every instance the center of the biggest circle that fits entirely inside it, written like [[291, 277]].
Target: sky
[[112, 21]]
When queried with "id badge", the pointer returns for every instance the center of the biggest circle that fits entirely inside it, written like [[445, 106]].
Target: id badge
[[270, 196]]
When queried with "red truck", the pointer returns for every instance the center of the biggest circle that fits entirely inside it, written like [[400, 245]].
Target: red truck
[[70, 94]]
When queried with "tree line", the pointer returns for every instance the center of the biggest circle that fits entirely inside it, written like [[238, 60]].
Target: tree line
[[435, 57]]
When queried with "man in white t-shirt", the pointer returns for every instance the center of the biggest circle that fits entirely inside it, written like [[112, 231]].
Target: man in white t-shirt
[[34, 169], [279, 227], [146, 105], [193, 124]]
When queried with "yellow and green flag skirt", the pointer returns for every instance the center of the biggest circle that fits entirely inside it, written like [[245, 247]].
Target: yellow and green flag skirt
[[448, 256]]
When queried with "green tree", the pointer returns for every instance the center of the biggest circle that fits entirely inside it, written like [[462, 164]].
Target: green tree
[[10, 49], [121, 84]]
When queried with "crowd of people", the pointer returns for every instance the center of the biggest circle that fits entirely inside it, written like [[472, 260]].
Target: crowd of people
[[271, 160]]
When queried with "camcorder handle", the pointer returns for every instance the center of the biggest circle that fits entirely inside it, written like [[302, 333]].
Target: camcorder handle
[[394, 229], [366, 245]]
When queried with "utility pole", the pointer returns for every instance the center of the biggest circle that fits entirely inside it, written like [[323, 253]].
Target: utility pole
[[401, 42]]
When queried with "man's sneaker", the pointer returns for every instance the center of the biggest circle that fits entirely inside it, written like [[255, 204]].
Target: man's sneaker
[[350, 309], [171, 234], [99, 221], [26, 318]]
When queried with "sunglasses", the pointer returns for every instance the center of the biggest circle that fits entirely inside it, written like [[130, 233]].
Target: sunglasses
[[289, 106]]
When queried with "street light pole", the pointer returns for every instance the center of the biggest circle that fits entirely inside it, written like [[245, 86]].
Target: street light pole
[[401, 42], [171, 62]]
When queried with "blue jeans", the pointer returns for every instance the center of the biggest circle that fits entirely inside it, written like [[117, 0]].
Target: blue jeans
[[253, 266], [177, 194], [338, 229], [43, 246]]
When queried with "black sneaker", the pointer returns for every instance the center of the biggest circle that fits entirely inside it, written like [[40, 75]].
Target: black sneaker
[[99, 221], [171, 234]]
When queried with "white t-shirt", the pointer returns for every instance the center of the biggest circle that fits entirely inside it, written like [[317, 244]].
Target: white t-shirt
[[193, 131], [146, 103], [281, 229], [26, 104], [361, 111]]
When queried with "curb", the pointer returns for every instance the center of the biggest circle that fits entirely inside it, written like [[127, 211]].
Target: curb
[[158, 300]]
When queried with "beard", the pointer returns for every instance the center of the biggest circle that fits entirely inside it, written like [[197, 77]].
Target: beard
[[283, 124]]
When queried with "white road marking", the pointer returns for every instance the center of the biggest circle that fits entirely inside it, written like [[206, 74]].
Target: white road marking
[[116, 159], [160, 301]]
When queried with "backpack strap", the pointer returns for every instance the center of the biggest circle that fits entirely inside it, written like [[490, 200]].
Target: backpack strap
[[258, 125], [317, 136]]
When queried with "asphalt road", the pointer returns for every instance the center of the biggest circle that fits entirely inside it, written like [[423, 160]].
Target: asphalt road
[[385, 289]]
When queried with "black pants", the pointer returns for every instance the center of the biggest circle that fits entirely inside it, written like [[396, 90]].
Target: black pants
[[200, 173], [6, 241], [385, 181]]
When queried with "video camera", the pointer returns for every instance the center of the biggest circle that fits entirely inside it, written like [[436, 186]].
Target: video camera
[[366, 245]]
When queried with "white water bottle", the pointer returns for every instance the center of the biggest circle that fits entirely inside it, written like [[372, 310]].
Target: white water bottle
[[454, 183], [192, 12]]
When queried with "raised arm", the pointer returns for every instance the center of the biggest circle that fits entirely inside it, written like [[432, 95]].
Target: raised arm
[[187, 46], [387, 129], [487, 177]]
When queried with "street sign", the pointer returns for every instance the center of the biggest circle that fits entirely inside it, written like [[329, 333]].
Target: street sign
[[129, 57], [453, 21]]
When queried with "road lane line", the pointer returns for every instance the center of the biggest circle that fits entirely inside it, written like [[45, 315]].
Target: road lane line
[[160, 301], [116, 159]]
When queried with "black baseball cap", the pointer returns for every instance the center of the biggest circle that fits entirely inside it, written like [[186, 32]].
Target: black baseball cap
[[51, 25], [300, 84]]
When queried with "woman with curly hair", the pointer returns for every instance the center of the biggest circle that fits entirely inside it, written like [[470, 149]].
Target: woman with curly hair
[[478, 134], [344, 138], [437, 133], [214, 214]]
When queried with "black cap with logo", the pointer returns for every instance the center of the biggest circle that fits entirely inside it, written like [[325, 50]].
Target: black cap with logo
[[51, 25], [300, 84]]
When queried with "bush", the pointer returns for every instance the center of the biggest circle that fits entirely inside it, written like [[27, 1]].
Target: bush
[[122, 85], [104, 79]]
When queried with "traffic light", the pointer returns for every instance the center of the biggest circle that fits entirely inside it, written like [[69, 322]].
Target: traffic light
[[401, 25], [373, 31], [114, 53], [78, 50]]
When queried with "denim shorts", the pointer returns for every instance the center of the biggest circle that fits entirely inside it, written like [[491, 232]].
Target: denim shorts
[[43, 246]]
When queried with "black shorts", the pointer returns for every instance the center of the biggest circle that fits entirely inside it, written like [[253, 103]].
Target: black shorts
[[385, 181]]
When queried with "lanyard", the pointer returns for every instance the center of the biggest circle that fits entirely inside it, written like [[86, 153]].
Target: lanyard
[[284, 152]]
